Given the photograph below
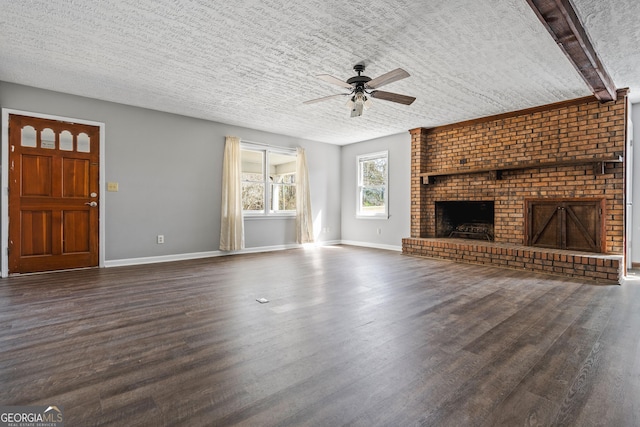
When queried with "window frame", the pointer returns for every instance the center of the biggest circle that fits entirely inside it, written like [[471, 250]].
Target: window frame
[[360, 159], [266, 151]]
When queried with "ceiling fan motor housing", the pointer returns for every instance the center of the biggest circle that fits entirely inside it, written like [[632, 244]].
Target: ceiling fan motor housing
[[358, 81]]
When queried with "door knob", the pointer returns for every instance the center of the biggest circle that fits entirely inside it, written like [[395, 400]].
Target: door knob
[[92, 204]]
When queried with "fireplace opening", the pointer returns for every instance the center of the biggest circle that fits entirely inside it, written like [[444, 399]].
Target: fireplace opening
[[466, 219]]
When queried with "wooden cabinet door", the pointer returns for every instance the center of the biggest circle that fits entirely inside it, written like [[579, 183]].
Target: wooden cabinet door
[[53, 194], [565, 224]]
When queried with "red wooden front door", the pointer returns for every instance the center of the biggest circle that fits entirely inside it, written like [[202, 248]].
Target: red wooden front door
[[53, 194]]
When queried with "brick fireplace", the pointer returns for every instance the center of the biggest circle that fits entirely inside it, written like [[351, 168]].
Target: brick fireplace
[[539, 189]]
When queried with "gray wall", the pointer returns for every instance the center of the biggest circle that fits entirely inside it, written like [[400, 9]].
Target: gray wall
[[169, 170], [635, 185], [397, 226]]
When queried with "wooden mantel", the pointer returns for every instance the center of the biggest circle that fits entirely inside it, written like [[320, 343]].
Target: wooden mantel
[[496, 171]]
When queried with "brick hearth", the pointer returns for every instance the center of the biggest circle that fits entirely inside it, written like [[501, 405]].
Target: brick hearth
[[583, 265], [570, 151]]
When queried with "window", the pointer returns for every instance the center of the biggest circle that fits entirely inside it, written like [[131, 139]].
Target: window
[[372, 185], [268, 180]]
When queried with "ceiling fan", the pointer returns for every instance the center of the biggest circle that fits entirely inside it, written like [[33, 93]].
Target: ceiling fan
[[362, 88]]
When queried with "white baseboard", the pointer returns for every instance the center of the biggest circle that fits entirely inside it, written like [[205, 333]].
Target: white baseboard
[[264, 249], [161, 258], [209, 254], [372, 245]]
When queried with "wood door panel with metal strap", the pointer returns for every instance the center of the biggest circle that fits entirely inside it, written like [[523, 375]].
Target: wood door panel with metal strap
[[566, 224], [53, 194]]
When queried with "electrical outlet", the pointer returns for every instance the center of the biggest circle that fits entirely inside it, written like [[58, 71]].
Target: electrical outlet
[[160, 239]]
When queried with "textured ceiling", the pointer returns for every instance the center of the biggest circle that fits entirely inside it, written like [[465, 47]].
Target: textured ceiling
[[252, 63]]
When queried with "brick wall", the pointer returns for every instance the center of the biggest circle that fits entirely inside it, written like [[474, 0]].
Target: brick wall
[[419, 221], [578, 129]]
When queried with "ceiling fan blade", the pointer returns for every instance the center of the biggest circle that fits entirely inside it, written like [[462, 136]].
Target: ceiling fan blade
[[313, 101], [390, 77], [334, 80], [393, 97]]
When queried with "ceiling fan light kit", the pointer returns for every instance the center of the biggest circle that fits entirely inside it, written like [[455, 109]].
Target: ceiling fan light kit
[[362, 88], [357, 103]]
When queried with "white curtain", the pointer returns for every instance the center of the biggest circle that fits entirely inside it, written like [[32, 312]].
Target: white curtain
[[304, 220], [231, 224]]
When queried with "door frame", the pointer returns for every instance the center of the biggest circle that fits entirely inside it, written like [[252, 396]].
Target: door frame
[[4, 184]]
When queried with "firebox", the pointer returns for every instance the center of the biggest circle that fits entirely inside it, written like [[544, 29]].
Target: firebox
[[465, 219]]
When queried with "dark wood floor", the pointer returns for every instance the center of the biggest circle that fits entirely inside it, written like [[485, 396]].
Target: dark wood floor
[[351, 336]]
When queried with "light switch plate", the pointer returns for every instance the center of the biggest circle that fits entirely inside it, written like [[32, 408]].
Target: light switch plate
[[112, 186]]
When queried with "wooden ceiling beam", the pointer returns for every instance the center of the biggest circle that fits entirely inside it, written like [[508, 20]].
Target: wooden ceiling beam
[[560, 19]]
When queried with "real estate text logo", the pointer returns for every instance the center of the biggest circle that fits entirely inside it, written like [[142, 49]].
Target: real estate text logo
[[31, 416]]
